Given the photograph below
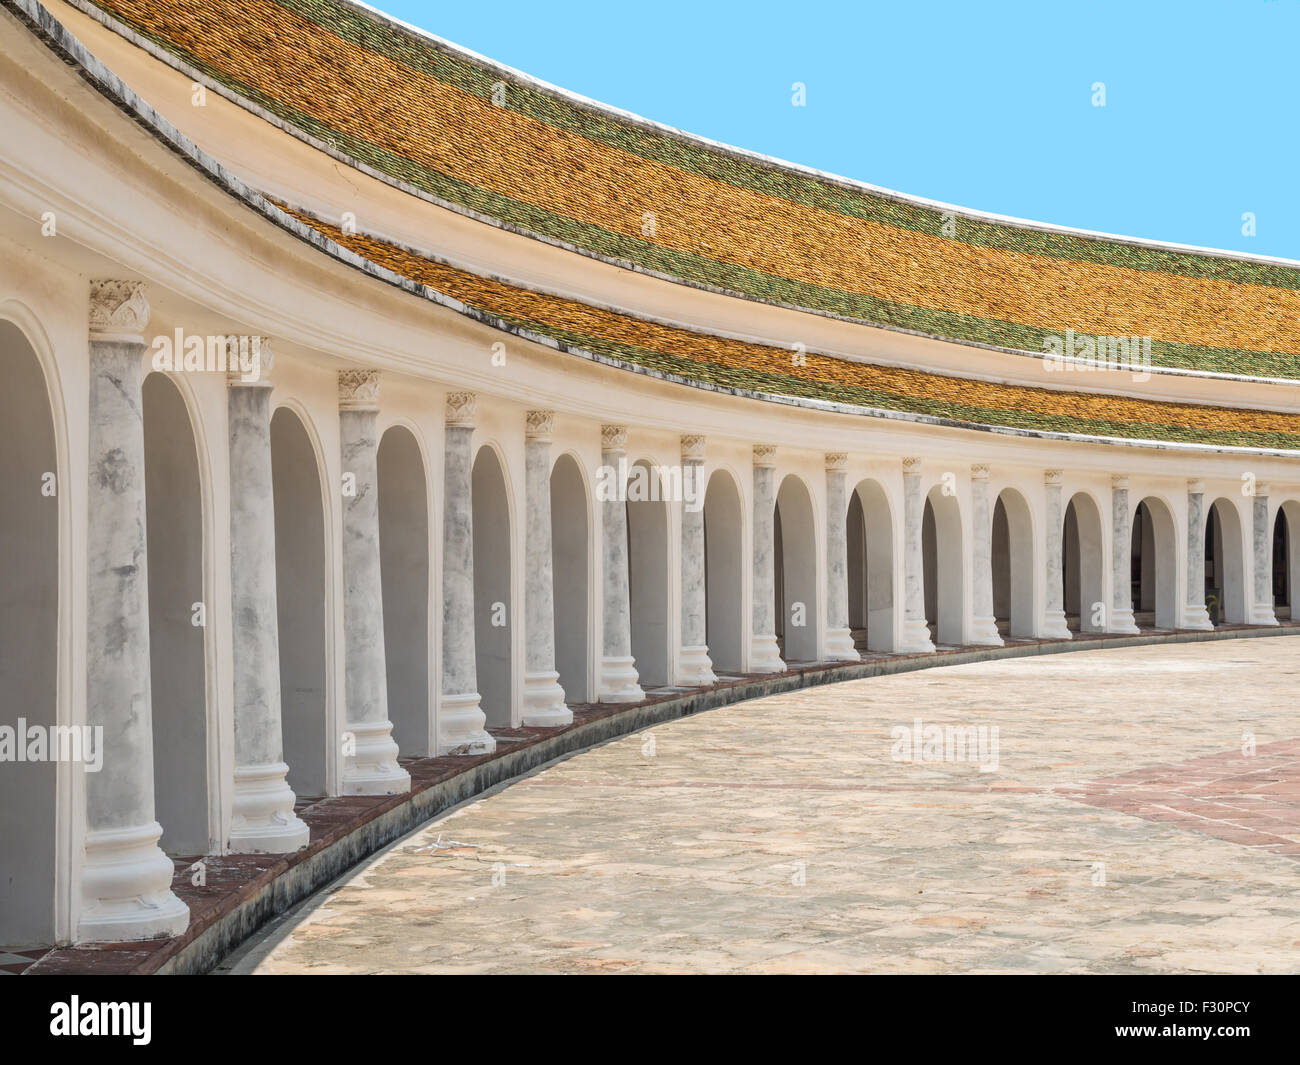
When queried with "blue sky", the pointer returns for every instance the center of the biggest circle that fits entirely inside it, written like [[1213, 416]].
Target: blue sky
[[988, 106]]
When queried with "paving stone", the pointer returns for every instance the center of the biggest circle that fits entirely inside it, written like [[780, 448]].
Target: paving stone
[[780, 835]]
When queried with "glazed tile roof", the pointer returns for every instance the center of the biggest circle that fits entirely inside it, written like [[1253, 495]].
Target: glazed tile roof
[[467, 133], [768, 369]]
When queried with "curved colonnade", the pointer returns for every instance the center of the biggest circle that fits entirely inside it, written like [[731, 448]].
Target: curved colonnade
[[268, 570]]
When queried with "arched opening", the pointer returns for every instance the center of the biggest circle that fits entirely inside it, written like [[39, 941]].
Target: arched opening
[[1286, 560], [723, 554], [1013, 566], [870, 534], [177, 673], [300, 603], [1225, 565], [404, 573], [1154, 579], [570, 568], [1081, 559], [941, 554], [797, 602], [492, 575], [647, 571], [29, 640]]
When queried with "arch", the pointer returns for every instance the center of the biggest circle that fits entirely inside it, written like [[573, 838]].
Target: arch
[[300, 575], [571, 576], [1286, 560], [1082, 558], [29, 640], [1014, 565], [1154, 574], [941, 553], [797, 602], [723, 576], [870, 533], [647, 571], [177, 659], [404, 574], [1225, 563], [493, 606]]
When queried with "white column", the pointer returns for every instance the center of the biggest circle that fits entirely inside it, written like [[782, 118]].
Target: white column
[[618, 675], [262, 802], [1121, 559], [984, 624], [370, 757], [125, 877], [764, 653], [839, 640], [543, 696], [694, 667], [1054, 626], [461, 721], [1261, 611], [916, 635], [1195, 614]]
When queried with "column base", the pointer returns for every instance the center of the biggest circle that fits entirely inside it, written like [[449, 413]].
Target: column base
[[619, 680], [695, 668], [1261, 614], [765, 655], [264, 821], [916, 638], [461, 726], [373, 768], [840, 648], [1195, 616], [1121, 621], [126, 886], [544, 701], [1054, 626], [984, 632]]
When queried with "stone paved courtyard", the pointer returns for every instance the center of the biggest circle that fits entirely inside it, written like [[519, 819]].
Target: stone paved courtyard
[[1123, 830]]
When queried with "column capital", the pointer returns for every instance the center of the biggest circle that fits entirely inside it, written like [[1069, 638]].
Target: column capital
[[912, 465], [693, 447], [539, 425], [1262, 490], [358, 389], [460, 410], [837, 461], [1195, 487], [249, 361], [118, 311], [1119, 481], [613, 438], [1053, 476], [979, 471], [765, 455]]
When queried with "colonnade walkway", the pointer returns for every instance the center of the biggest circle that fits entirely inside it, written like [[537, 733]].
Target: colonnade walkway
[[820, 723], [1138, 812]]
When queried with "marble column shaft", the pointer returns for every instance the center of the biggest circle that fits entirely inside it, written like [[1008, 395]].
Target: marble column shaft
[[1054, 624], [1262, 612], [984, 625], [764, 654], [694, 665], [1121, 557], [916, 633], [125, 877], [543, 696], [461, 721], [618, 675], [262, 802], [839, 639], [372, 769], [1197, 616]]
